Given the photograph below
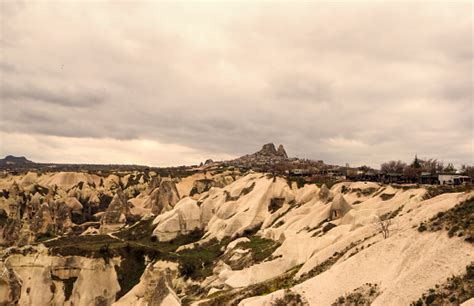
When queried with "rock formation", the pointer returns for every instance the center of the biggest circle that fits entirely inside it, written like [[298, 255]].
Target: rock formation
[[267, 156], [166, 198], [281, 151], [116, 214], [339, 207], [267, 150], [234, 238]]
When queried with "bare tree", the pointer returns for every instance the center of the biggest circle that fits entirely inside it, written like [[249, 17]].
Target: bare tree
[[432, 165], [383, 226], [393, 166], [468, 170]]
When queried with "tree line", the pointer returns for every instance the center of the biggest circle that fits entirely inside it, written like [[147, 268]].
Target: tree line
[[418, 166]]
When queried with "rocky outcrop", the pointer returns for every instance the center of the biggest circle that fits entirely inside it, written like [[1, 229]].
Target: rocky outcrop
[[15, 160], [42, 221], [202, 185], [339, 207], [116, 214], [325, 194], [241, 206], [184, 218], [62, 218], [268, 150], [281, 151], [155, 287], [166, 198], [39, 279], [264, 158], [10, 286]]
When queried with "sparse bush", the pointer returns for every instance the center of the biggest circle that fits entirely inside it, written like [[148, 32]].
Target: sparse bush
[[383, 226], [456, 290], [364, 295], [290, 299], [386, 196], [261, 248], [458, 221], [422, 227]]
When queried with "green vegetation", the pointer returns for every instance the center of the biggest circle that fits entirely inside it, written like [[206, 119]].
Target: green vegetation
[[130, 270], [386, 196], [233, 297], [458, 221], [247, 190], [363, 192], [87, 245], [290, 299], [68, 286], [45, 236], [436, 190], [198, 262], [261, 248], [275, 204], [328, 263], [392, 214], [284, 281], [132, 245], [363, 295], [456, 290]]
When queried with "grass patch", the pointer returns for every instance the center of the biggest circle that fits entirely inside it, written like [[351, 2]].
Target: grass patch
[[363, 295], [455, 291], [233, 297], [290, 299], [458, 221], [261, 248], [197, 263], [130, 270], [133, 249], [386, 196], [433, 191], [392, 214]]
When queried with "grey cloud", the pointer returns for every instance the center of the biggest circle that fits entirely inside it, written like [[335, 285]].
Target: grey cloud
[[342, 82], [59, 96], [6, 67]]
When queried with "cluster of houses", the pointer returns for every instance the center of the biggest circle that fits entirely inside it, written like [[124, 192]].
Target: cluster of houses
[[276, 161], [373, 175]]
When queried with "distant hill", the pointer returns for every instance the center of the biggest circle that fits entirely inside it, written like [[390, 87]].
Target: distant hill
[[15, 160]]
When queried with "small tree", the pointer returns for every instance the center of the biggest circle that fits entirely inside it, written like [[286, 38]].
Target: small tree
[[383, 226]]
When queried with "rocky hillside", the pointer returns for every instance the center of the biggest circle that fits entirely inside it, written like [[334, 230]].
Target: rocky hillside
[[267, 156], [14, 160], [223, 237]]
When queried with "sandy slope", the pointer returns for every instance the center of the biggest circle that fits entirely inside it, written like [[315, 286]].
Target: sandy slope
[[405, 265]]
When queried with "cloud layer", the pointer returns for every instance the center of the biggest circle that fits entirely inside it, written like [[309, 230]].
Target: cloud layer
[[342, 82]]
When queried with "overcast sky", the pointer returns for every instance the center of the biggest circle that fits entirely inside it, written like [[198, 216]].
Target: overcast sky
[[172, 84]]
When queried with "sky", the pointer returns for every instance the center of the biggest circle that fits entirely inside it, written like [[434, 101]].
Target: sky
[[175, 83]]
